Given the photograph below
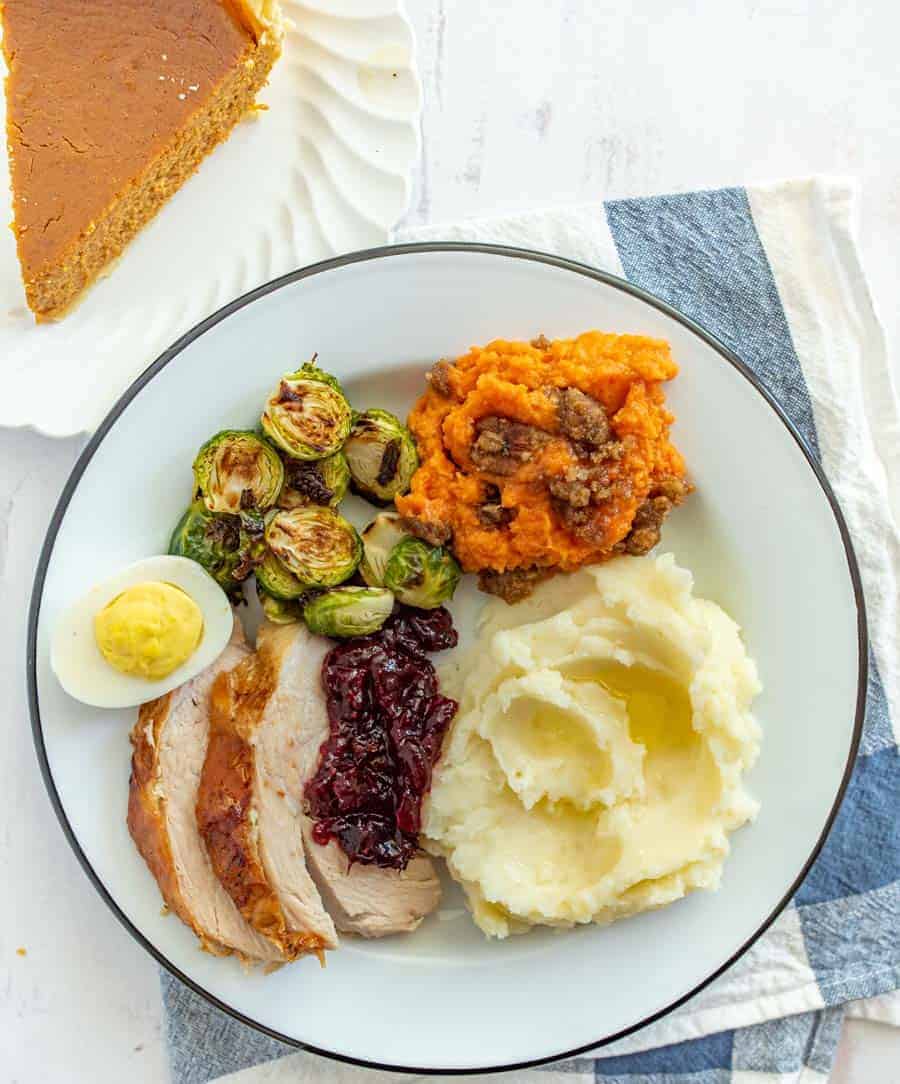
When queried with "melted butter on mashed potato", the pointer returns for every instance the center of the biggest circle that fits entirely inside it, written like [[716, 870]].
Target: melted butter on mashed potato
[[595, 766]]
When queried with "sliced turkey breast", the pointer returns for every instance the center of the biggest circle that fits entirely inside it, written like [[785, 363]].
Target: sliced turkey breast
[[251, 789], [275, 704], [367, 900], [364, 900], [169, 743]]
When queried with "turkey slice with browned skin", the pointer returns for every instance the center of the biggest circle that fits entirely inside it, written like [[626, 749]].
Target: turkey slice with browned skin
[[169, 743], [248, 807]]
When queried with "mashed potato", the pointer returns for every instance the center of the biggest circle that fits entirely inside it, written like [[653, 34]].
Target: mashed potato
[[595, 766]]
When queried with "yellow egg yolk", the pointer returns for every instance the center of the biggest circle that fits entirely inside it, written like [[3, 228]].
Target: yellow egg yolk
[[149, 630]]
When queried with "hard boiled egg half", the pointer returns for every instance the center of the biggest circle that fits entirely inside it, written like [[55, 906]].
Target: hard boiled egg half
[[141, 633]]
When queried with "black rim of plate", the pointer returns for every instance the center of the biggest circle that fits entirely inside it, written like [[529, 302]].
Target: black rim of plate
[[361, 257]]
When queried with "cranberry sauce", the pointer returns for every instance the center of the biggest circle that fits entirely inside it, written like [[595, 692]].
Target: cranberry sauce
[[388, 720]]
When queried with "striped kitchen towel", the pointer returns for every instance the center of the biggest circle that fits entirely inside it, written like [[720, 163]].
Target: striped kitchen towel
[[774, 272]]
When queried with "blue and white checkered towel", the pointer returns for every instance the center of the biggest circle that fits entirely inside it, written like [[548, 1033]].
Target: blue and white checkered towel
[[774, 273]]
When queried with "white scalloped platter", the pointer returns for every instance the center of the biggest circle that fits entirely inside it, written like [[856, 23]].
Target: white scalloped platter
[[325, 169]]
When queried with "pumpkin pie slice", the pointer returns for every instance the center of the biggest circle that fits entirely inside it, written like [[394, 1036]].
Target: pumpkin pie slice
[[111, 105]]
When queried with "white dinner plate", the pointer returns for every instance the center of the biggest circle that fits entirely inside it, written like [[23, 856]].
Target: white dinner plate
[[325, 168], [763, 536]]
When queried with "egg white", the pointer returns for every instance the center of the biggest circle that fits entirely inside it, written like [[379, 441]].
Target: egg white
[[82, 670]]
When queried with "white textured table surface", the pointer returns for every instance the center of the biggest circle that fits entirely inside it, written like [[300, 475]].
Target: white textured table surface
[[527, 104]]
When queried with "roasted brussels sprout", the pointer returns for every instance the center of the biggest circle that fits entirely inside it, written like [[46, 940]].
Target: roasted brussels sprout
[[237, 470], [379, 538], [381, 454], [421, 575], [251, 542], [316, 544], [277, 580], [228, 547], [280, 611], [315, 481], [307, 415], [348, 611]]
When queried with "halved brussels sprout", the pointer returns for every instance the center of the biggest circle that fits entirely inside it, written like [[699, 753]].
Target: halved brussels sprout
[[307, 415], [320, 547], [379, 538], [237, 470], [315, 481], [348, 611], [277, 580], [381, 454], [219, 543], [280, 611], [421, 575]]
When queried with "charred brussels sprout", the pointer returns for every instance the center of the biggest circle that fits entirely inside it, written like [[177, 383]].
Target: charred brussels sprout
[[307, 415], [275, 579], [251, 542], [280, 611], [315, 481], [379, 538], [237, 470], [348, 611], [228, 547], [316, 544], [421, 575], [381, 454]]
